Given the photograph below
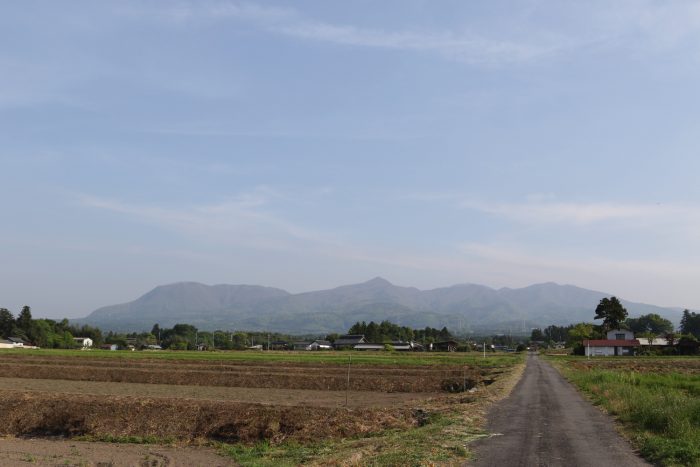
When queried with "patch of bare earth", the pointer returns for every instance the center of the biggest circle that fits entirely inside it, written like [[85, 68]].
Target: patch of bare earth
[[267, 396], [194, 403], [52, 452]]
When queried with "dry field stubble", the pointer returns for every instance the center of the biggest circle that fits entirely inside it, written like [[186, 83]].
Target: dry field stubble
[[196, 401]]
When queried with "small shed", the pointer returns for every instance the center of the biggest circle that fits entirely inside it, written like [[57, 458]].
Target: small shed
[[349, 341], [301, 345], [321, 345], [446, 346], [83, 342], [17, 342], [368, 346], [279, 345], [6, 344]]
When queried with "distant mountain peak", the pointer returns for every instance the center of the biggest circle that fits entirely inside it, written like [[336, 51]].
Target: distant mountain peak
[[378, 281], [462, 307]]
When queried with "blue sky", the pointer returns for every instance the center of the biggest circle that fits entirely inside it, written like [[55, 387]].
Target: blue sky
[[310, 144]]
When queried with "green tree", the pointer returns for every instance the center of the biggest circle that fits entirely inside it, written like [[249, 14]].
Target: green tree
[[7, 322], [579, 332], [537, 335], [651, 323], [611, 311], [690, 323], [24, 320], [43, 333]]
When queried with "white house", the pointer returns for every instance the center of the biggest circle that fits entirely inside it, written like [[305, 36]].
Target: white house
[[12, 343], [618, 342], [84, 342]]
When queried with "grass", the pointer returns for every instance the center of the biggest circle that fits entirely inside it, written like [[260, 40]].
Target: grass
[[660, 412], [332, 357], [441, 441]]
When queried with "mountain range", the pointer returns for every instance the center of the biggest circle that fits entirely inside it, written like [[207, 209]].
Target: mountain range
[[462, 308]]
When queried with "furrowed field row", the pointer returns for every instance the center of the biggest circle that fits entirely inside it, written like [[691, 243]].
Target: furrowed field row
[[291, 379]]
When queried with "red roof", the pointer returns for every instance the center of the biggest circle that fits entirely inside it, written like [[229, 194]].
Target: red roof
[[611, 343]]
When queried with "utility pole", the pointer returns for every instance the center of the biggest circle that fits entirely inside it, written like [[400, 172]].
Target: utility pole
[[484, 349], [347, 388], [589, 349]]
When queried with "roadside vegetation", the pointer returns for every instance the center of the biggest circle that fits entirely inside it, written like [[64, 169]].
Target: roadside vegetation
[[656, 399]]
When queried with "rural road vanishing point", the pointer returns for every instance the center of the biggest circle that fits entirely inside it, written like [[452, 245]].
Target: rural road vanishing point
[[546, 422]]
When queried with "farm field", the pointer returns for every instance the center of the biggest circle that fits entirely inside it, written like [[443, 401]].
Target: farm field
[[269, 406], [656, 399]]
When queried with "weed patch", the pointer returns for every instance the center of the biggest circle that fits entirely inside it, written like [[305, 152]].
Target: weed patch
[[660, 411]]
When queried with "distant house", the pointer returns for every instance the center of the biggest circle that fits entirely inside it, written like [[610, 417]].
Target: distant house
[[301, 345], [17, 342], [396, 345], [368, 346], [315, 345], [406, 346], [279, 345], [446, 346], [109, 347], [618, 342], [83, 342], [321, 345], [6, 344], [349, 341]]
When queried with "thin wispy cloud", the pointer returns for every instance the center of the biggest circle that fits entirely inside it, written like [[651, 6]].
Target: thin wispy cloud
[[578, 213], [242, 220], [623, 25], [546, 209], [463, 46]]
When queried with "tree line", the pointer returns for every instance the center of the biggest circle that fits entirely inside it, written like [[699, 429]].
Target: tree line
[[387, 331], [45, 333]]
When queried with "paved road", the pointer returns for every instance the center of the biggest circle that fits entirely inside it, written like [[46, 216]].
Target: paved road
[[545, 422]]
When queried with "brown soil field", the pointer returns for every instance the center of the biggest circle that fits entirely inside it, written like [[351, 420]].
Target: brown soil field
[[53, 452], [194, 402], [267, 396], [262, 375], [46, 414]]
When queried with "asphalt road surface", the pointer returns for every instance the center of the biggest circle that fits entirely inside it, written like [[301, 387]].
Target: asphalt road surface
[[546, 422]]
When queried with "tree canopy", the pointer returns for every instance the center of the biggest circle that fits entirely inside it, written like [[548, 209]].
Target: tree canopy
[[690, 323], [651, 323], [611, 311]]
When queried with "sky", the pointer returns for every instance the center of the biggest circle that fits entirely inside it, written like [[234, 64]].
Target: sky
[[310, 144]]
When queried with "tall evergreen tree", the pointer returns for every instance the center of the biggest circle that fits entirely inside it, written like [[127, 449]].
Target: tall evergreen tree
[[611, 311], [24, 320], [7, 322]]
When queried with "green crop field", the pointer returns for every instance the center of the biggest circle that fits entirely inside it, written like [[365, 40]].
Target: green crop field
[[657, 400]]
